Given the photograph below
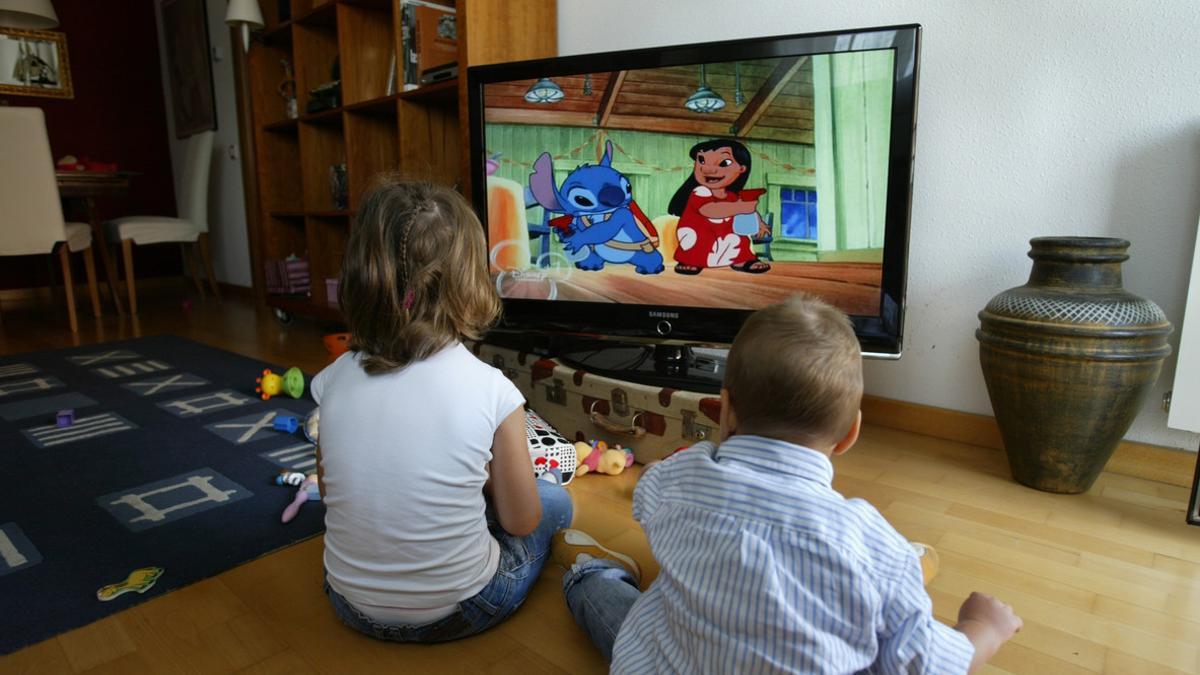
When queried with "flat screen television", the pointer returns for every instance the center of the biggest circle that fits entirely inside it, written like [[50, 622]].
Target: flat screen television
[[662, 195]]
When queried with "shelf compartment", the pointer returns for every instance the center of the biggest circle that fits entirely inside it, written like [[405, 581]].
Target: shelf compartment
[[321, 14], [279, 172], [279, 34], [284, 126], [372, 147], [321, 147], [267, 75], [445, 92], [285, 237], [327, 245], [368, 48], [316, 51], [429, 142], [332, 117], [384, 106]]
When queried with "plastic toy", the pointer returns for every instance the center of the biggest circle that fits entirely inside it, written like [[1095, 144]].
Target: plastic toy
[[929, 560], [64, 418], [290, 383], [293, 478], [597, 457], [549, 470], [285, 423], [337, 344], [312, 425], [308, 491], [138, 581]]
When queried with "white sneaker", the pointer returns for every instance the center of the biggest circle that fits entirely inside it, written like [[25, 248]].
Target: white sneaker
[[573, 547]]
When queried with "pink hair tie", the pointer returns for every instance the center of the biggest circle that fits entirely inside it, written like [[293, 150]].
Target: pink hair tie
[[408, 300]]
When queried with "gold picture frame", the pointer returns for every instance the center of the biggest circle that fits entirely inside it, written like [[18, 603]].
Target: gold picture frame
[[34, 63]]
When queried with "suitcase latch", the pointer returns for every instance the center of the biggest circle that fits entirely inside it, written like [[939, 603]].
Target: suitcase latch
[[498, 362], [691, 430], [620, 403], [556, 392]]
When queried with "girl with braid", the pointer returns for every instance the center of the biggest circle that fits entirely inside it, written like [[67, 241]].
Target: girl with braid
[[435, 528]]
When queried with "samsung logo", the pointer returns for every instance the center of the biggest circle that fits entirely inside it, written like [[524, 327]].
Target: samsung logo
[[664, 315]]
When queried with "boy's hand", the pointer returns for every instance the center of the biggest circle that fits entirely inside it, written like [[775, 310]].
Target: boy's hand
[[991, 612], [987, 623]]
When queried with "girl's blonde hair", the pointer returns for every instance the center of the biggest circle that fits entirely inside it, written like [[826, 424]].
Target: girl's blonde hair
[[415, 275]]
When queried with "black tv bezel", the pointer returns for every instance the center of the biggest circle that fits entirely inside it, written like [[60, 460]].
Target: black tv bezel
[[880, 335]]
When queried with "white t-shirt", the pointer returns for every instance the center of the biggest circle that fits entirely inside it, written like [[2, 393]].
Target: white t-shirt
[[404, 458]]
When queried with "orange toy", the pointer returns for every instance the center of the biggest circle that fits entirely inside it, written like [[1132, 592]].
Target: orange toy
[[336, 344]]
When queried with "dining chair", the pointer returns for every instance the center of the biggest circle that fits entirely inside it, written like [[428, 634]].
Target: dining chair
[[31, 218], [190, 230]]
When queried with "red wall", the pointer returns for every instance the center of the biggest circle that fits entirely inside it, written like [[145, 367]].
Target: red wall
[[118, 115]]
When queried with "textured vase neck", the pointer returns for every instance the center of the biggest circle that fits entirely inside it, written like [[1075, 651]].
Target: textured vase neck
[[1077, 262]]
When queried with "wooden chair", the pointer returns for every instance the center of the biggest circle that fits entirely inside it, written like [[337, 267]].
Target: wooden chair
[[31, 218], [190, 230]]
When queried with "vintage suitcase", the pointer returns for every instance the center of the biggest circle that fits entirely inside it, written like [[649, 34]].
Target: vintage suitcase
[[651, 421]]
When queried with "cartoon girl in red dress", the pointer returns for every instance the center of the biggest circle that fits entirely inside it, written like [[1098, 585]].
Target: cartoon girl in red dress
[[707, 204]]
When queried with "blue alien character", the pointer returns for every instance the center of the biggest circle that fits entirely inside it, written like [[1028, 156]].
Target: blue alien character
[[603, 219]]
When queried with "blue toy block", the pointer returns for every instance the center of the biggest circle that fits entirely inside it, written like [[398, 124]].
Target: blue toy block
[[286, 423], [64, 418]]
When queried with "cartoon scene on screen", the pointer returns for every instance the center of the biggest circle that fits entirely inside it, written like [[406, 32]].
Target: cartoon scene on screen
[[729, 185]]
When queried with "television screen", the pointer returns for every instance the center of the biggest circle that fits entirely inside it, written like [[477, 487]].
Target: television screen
[[696, 184]]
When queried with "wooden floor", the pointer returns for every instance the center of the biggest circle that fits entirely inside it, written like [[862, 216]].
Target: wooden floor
[[1106, 582], [851, 287]]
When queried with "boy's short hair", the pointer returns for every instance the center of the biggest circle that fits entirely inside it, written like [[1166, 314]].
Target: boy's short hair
[[795, 372], [415, 275]]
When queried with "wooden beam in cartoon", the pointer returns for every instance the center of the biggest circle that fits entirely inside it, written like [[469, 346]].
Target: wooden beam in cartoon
[[609, 100], [780, 77]]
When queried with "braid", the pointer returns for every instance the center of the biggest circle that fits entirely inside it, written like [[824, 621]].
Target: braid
[[423, 207], [404, 254]]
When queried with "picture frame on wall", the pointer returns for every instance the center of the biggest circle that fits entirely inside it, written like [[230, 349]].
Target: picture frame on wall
[[34, 63], [189, 71]]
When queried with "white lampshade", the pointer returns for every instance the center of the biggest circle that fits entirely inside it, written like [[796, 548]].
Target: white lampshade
[[244, 13], [28, 14]]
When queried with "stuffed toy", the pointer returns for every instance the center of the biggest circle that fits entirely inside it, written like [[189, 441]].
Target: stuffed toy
[[599, 458]]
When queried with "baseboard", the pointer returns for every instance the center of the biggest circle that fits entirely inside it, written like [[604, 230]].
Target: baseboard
[[26, 297], [236, 291], [1141, 460]]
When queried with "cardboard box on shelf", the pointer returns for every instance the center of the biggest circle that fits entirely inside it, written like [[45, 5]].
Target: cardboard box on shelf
[[435, 37]]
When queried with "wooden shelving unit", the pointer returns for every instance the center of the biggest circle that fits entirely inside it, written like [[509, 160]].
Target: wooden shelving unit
[[420, 133]]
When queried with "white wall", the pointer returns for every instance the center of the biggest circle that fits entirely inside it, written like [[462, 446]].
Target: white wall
[[226, 199], [1035, 118]]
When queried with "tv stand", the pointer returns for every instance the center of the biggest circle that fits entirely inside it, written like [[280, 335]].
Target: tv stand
[[674, 366], [663, 365]]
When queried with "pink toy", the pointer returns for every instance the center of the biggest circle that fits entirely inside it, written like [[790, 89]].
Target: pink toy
[[309, 492]]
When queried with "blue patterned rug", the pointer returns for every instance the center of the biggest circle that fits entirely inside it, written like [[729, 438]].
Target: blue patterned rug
[[169, 463]]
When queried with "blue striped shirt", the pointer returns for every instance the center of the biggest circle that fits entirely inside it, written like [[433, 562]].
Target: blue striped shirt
[[766, 569]]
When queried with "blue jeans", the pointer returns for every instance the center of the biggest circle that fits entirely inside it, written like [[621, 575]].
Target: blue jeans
[[600, 594], [521, 560]]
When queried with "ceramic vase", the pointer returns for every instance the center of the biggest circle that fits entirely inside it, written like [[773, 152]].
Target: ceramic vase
[[1069, 359]]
